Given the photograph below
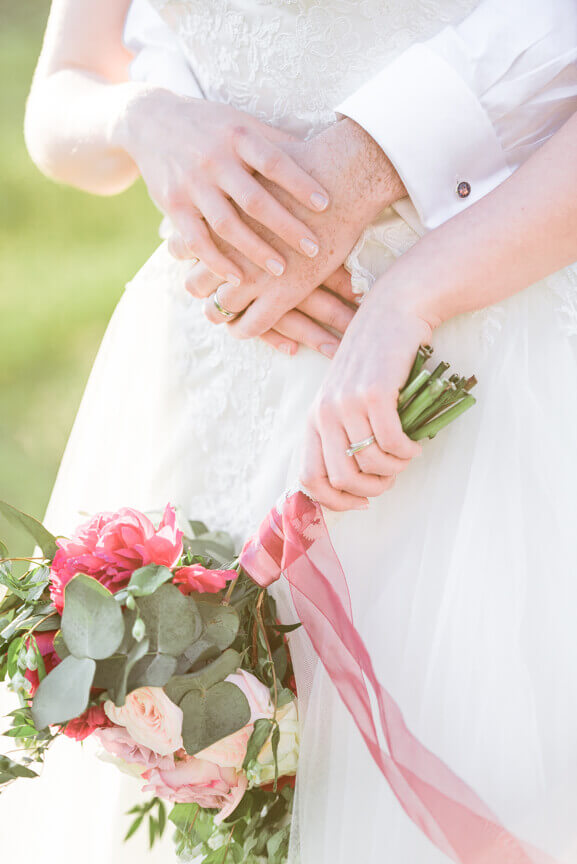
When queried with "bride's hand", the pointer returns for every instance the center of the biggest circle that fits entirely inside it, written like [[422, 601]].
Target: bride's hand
[[358, 399], [361, 182], [197, 157], [317, 322]]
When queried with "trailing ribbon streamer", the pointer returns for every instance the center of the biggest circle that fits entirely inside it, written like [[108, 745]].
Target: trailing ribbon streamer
[[294, 541]]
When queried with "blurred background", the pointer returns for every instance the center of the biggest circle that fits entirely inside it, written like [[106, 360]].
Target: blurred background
[[64, 259]]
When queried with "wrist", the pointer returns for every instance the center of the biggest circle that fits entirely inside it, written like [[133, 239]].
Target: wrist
[[376, 177]]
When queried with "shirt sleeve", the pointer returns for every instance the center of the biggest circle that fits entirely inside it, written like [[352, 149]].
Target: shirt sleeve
[[459, 113], [158, 57]]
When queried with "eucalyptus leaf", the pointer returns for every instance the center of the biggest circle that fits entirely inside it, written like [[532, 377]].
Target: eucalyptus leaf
[[209, 715], [64, 693], [92, 623], [60, 646], [120, 687], [221, 623], [199, 653], [33, 528], [198, 528], [152, 670], [215, 672], [172, 620], [205, 547], [146, 580]]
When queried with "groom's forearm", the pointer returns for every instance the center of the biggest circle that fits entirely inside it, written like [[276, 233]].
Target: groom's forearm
[[372, 180]]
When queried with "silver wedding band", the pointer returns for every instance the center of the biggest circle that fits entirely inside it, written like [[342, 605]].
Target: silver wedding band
[[360, 445], [226, 313]]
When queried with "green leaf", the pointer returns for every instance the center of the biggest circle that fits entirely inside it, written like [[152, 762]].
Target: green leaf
[[10, 770], [183, 815], [119, 689], [274, 742], [284, 696], [64, 693], [209, 715], [33, 528], [199, 653], [259, 737], [134, 827], [92, 623], [198, 528], [217, 671], [172, 620], [221, 623], [286, 628], [60, 646], [153, 670], [146, 580], [161, 817]]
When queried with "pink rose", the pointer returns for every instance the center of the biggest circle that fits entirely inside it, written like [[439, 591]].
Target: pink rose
[[194, 780], [257, 693], [92, 719], [111, 546], [198, 578], [118, 743], [151, 719], [45, 643]]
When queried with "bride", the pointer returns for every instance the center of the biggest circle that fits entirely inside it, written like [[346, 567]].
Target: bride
[[239, 363]]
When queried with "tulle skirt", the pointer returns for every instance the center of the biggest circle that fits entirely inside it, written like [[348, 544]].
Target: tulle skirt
[[463, 578]]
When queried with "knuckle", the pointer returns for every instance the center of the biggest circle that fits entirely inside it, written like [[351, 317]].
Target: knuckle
[[222, 223], [338, 479], [252, 203], [271, 162], [239, 131]]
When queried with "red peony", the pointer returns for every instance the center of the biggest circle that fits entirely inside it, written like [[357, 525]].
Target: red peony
[[198, 578], [45, 642], [93, 718], [111, 546]]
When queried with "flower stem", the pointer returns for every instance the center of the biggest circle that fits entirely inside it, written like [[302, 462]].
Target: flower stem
[[414, 387], [422, 402], [430, 429]]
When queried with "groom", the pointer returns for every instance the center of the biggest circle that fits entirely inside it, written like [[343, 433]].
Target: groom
[[441, 125]]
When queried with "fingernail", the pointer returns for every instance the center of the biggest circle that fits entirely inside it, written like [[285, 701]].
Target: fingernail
[[275, 267], [363, 506], [232, 280], [309, 247], [286, 348], [319, 202], [329, 350]]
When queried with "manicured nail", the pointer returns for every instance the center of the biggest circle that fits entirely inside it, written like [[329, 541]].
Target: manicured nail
[[309, 247], [232, 280], [319, 202], [286, 348], [275, 267], [329, 350]]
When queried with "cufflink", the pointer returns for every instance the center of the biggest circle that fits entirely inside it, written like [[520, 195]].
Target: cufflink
[[463, 189]]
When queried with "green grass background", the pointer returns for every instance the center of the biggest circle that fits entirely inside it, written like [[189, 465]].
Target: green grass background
[[64, 259]]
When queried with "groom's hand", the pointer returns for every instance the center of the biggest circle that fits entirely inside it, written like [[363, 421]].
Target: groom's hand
[[361, 181]]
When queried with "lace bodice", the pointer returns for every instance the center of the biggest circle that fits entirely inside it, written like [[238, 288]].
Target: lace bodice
[[291, 62]]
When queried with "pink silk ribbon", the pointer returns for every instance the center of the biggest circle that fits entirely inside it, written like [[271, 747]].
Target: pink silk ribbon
[[295, 541]]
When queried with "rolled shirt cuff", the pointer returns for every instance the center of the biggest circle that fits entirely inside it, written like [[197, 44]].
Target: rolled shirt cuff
[[435, 131]]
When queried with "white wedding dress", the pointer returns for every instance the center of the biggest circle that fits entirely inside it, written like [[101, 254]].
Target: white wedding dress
[[463, 579]]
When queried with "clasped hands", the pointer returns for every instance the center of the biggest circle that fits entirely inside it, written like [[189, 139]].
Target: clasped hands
[[274, 264]]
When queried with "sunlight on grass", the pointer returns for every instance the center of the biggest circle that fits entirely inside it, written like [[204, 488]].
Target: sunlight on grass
[[64, 259]]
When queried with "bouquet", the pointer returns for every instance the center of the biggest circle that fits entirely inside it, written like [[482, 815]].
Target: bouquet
[[155, 640], [152, 640]]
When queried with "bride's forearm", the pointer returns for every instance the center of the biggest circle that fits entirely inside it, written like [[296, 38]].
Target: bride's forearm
[[73, 129], [521, 232]]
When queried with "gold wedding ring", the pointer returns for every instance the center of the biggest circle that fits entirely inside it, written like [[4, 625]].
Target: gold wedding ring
[[360, 445], [226, 313]]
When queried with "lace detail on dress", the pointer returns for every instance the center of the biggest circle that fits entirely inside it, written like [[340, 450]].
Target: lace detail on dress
[[291, 62], [224, 385]]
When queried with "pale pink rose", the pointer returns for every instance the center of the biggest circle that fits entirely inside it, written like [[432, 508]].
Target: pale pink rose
[[111, 546], [194, 780], [257, 693], [229, 752], [198, 578], [117, 741], [151, 719]]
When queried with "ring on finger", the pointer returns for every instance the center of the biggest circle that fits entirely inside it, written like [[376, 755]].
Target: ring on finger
[[360, 445], [226, 313]]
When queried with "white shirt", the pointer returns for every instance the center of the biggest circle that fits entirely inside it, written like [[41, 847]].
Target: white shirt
[[456, 114]]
